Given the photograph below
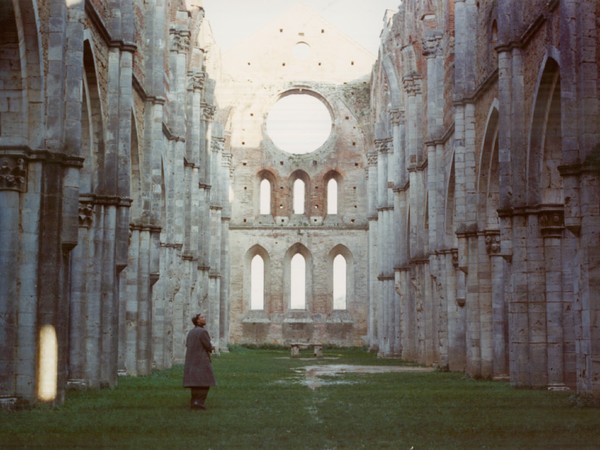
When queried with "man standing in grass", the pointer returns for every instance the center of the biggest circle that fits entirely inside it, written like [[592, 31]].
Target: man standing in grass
[[197, 371]]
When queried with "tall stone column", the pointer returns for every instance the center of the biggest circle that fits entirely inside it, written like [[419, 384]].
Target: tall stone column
[[499, 307], [81, 284], [536, 302], [112, 205], [398, 178], [416, 199], [466, 217], [478, 308], [18, 306], [375, 310], [224, 300], [216, 238], [456, 312], [512, 167], [403, 281], [432, 50], [194, 145], [205, 188], [396, 174], [581, 177], [412, 86], [176, 320], [385, 263], [552, 229], [469, 250], [436, 187], [51, 198]]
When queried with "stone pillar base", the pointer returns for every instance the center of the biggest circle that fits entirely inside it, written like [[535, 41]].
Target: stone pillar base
[[8, 403], [77, 384]]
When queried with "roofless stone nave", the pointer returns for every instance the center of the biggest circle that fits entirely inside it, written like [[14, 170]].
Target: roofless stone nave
[[451, 217]]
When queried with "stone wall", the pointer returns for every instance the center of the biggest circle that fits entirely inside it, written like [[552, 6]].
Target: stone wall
[[466, 164], [107, 169], [489, 281], [258, 73]]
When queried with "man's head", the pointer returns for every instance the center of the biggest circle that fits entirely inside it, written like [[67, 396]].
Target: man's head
[[199, 320]]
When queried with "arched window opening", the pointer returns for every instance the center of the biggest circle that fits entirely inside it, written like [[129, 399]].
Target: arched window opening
[[339, 282], [299, 196], [265, 197], [332, 197], [257, 283], [298, 282]]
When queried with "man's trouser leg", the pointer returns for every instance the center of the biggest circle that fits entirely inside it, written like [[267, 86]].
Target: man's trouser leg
[[199, 395]]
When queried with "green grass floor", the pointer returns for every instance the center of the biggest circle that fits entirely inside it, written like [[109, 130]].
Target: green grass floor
[[263, 402]]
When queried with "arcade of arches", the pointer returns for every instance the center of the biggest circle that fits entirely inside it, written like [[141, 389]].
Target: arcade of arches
[[445, 209]]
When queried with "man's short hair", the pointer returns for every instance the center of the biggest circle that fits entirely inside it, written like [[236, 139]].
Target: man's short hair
[[195, 318]]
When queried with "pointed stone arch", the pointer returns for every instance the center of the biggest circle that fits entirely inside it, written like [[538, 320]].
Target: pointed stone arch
[[489, 177], [22, 127], [392, 83], [22, 87], [333, 176], [300, 175], [544, 183], [491, 265], [163, 192], [139, 181], [257, 250], [450, 204], [341, 250], [294, 250], [84, 362], [92, 128], [546, 200], [265, 201]]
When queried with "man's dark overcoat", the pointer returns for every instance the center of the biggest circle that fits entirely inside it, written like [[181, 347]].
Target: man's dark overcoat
[[197, 370]]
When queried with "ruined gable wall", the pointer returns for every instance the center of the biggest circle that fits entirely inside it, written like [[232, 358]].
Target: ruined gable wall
[[336, 71]]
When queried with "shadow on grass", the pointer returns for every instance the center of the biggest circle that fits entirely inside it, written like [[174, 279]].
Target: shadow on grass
[[262, 401]]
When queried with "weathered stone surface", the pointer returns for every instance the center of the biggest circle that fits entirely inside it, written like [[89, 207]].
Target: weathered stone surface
[[501, 116], [465, 158]]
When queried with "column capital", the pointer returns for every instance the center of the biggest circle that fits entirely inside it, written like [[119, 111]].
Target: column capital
[[180, 40], [86, 213], [196, 79], [493, 242], [217, 144], [372, 159], [552, 223], [396, 116], [383, 145], [208, 111], [432, 44], [412, 84], [13, 173]]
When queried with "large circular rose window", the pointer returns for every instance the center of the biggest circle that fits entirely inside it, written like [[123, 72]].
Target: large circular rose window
[[299, 123]]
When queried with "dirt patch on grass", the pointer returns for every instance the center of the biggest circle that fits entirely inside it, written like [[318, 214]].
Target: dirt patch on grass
[[317, 376]]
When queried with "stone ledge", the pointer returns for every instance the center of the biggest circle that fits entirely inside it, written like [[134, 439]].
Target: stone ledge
[[298, 320], [256, 320], [77, 384], [340, 316], [8, 403]]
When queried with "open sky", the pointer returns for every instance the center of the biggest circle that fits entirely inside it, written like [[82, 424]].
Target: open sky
[[361, 20]]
